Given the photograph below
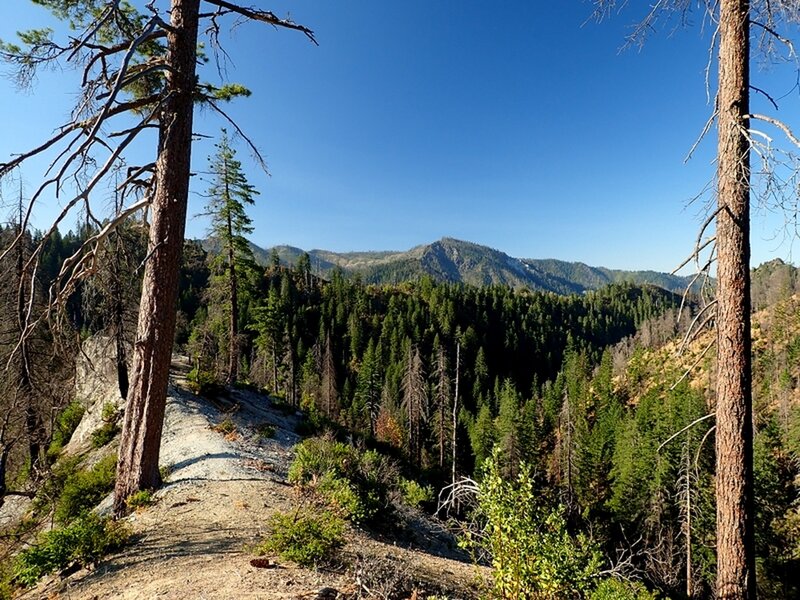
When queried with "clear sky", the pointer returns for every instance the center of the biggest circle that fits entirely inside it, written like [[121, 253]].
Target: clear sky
[[519, 125]]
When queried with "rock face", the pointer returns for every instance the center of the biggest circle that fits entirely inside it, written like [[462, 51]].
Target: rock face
[[95, 386]]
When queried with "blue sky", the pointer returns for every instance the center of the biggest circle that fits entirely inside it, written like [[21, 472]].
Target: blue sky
[[519, 125]]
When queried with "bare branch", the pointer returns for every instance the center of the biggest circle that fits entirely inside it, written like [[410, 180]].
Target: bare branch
[[261, 161], [689, 426], [694, 364], [689, 335], [780, 125], [264, 16]]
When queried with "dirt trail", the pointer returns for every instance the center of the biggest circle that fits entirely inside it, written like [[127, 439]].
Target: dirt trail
[[195, 542]]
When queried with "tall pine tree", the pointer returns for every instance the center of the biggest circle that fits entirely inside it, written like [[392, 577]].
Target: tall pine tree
[[228, 194]]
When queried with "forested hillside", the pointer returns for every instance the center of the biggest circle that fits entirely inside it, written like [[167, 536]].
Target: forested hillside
[[588, 394]]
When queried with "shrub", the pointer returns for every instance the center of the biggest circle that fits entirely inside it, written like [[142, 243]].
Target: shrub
[[266, 430], [139, 499], [617, 589], [83, 490], [67, 421], [106, 432], [85, 540], [415, 494], [346, 499], [307, 538], [52, 488], [354, 481], [203, 383], [226, 426], [533, 554]]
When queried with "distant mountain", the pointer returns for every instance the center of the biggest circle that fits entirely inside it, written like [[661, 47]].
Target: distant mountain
[[458, 261]]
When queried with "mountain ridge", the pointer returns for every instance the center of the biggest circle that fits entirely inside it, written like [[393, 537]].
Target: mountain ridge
[[459, 261]]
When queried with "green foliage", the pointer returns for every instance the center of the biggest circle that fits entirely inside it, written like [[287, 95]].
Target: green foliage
[[618, 589], [110, 427], [104, 434], [140, 499], [226, 426], [532, 552], [203, 382], [229, 91], [266, 430], [109, 412], [7, 587], [84, 489], [308, 538], [414, 494], [67, 421], [85, 540], [354, 481]]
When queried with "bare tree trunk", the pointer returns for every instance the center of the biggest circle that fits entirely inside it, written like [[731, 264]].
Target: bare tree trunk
[[734, 436], [144, 415], [119, 325], [24, 379], [455, 409]]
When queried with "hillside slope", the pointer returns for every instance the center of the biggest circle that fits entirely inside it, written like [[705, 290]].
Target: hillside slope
[[196, 541]]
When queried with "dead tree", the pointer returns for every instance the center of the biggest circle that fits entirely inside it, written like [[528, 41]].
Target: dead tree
[[140, 67], [737, 22]]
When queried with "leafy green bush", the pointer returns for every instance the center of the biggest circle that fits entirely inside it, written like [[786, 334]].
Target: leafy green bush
[[7, 587], [110, 427], [139, 499], [85, 540], [83, 490], [356, 482], [350, 502], [307, 538], [52, 487], [533, 555], [617, 589], [203, 383], [67, 421], [104, 434], [414, 494]]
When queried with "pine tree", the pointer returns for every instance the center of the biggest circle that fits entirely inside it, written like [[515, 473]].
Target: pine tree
[[228, 194]]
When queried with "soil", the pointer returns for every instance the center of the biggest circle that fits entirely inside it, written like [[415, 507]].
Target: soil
[[196, 541]]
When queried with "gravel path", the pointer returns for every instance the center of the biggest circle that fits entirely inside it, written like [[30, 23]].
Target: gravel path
[[196, 541]]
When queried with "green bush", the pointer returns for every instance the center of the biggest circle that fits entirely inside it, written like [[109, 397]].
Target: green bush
[[139, 499], [414, 494], [110, 428], [85, 540], [104, 434], [52, 488], [109, 412], [7, 587], [83, 490], [354, 481], [346, 498], [266, 430], [226, 426], [67, 421], [203, 383], [617, 589], [533, 554], [307, 538]]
